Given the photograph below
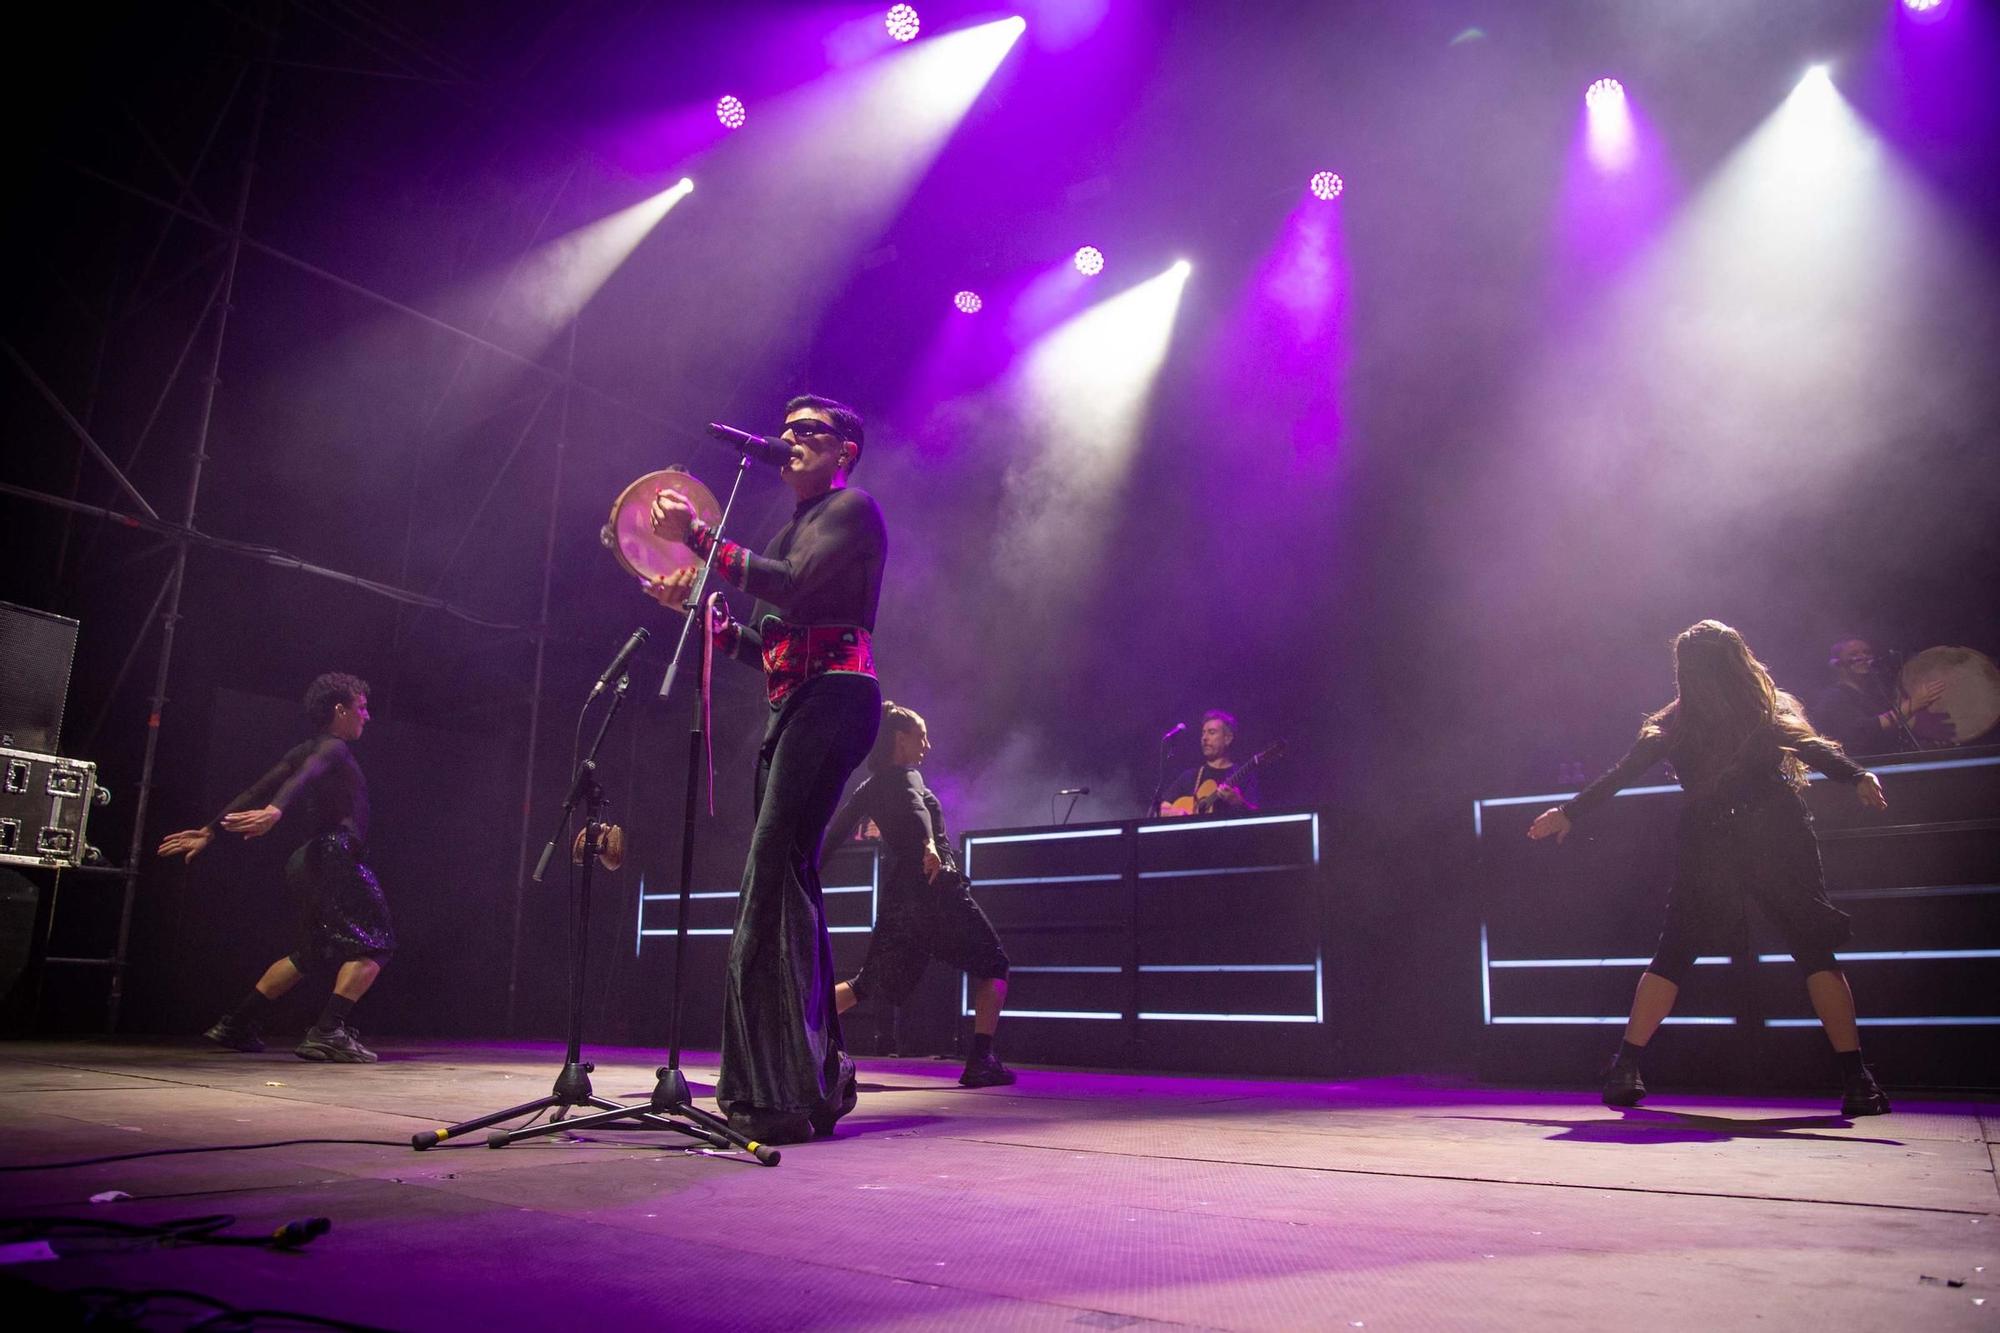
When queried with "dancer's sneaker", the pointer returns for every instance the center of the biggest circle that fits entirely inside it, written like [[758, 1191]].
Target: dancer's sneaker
[[237, 1034], [985, 1071], [1622, 1085], [1863, 1096], [340, 1045]]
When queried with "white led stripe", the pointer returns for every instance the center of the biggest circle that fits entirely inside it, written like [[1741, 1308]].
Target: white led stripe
[[1197, 825], [1958, 1021], [1229, 967], [1221, 870], [1706, 960], [1048, 879], [1092, 970], [1892, 955], [1232, 1018], [1565, 1020], [985, 838]]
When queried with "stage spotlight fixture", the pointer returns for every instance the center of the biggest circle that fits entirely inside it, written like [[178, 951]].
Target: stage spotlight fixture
[[902, 22], [1090, 261], [731, 112], [1326, 185], [1182, 267], [1605, 93], [968, 303], [1922, 6]]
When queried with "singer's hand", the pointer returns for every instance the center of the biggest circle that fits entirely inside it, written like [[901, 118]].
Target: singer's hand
[[673, 590], [673, 516], [1868, 789]]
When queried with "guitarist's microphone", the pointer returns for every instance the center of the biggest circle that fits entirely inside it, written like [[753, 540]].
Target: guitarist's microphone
[[1073, 791], [1173, 731]]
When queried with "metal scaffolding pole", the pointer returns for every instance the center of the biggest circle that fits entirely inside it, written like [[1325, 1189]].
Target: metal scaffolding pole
[[521, 862], [177, 580]]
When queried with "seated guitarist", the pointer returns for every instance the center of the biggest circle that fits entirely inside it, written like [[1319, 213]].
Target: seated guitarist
[[1213, 787]]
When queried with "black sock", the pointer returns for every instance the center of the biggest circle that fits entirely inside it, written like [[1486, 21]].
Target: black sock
[[982, 1045], [1850, 1064], [251, 1007], [338, 1007], [1628, 1054]]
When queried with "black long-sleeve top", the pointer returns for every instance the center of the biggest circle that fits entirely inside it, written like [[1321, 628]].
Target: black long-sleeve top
[[909, 816], [823, 568], [1750, 775], [323, 770]]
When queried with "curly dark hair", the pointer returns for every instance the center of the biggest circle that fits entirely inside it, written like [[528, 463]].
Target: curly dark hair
[[842, 417], [328, 692]]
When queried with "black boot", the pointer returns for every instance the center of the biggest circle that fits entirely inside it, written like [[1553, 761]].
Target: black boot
[[1622, 1085], [1862, 1095], [238, 1034], [762, 1125], [846, 1094]]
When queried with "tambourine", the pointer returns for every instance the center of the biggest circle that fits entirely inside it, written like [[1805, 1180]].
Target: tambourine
[[629, 533]]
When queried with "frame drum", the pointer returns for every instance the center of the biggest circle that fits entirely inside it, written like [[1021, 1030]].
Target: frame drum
[[1970, 704], [629, 533]]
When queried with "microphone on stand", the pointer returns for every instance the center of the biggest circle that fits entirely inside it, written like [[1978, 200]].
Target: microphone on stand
[[760, 448], [618, 663], [1173, 731], [1073, 791]]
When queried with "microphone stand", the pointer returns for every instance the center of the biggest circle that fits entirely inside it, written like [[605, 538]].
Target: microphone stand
[[1890, 692], [572, 1086], [670, 1097]]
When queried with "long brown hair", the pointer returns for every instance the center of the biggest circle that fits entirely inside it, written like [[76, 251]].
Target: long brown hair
[[1726, 710]]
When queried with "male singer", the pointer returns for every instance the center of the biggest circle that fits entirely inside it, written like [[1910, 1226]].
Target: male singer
[[784, 1074]]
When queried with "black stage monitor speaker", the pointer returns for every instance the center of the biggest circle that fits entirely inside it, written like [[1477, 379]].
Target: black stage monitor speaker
[[36, 650]]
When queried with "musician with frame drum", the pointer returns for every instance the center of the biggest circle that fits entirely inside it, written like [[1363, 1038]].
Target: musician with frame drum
[[1863, 709]]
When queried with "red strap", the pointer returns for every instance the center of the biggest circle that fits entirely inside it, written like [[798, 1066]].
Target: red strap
[[713, 620]]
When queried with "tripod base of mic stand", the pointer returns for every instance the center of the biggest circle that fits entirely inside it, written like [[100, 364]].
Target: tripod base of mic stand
[[572, 1090], [670, 1098]]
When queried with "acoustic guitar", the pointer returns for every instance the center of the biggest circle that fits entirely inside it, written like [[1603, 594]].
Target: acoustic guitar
[[1203, 801]]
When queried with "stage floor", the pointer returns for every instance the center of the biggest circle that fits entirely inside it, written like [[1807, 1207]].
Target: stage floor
[[1068, 1200]]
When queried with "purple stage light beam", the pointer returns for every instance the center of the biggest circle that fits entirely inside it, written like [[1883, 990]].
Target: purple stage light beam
[[1089, 261], [729, 109], [1609, 135], [902, 22]]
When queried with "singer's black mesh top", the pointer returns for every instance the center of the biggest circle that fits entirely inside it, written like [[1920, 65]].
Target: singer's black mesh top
[[824, 567], [324, 771]]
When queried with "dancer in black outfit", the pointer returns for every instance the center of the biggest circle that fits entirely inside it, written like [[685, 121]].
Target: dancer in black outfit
[[926, 909], [345, 922], [1740, 747], [785, 1075]]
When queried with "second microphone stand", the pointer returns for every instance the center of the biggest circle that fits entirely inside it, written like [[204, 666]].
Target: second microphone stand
[[671, 1096], [572, 1086]]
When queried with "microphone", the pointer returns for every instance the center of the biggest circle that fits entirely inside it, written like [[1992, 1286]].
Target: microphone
[[1174, 731], [618, 662], [759, 447], [1074, 791]]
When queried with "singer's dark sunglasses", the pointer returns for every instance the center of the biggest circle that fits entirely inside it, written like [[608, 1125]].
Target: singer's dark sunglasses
[[808, 429]]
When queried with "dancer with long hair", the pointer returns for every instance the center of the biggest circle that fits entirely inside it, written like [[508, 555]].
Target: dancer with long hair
[[1740, 747]]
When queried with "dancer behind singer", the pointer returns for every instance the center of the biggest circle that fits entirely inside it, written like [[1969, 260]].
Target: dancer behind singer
[[784, 1073], [1863, 709], [346, 920], [926, 908], [1740, 747]]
